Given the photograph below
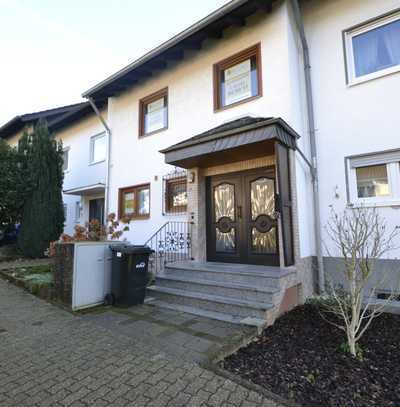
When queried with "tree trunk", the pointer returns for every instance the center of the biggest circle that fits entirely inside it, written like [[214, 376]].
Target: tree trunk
[[352, 343]]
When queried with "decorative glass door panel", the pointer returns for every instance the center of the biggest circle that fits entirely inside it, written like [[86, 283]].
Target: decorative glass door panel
[[241, 222], [263, 222], [224, 215]]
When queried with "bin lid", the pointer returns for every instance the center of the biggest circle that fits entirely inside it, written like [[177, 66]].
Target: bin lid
[[131, 249]]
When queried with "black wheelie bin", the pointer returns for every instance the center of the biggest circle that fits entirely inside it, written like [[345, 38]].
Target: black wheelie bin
[[129, 274]]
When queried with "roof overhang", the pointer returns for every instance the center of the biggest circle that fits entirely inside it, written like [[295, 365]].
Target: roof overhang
[[51, 115], [233, 13], [236, 144], [95, 189]]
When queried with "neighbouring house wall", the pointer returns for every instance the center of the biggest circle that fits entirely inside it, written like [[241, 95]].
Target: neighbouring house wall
[[81, 172], [350, 120], [14, 139], [76, 137], [190, 93]]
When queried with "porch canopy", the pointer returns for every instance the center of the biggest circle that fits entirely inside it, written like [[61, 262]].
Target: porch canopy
[[95, 189], [241, 139]]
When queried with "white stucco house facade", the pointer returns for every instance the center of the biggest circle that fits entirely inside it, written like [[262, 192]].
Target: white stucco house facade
[[85, 152], [229, 144]]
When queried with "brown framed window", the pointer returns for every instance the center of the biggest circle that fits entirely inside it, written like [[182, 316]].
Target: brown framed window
[[134, 201], [176, 195], [238, 78], [153, 113]]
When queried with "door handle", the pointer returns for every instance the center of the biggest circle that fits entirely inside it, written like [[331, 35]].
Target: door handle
[[239, 209]]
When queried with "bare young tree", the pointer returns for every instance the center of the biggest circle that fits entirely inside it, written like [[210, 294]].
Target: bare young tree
[[360, 236]]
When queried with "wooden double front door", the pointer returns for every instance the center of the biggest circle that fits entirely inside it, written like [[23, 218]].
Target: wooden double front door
[[241, 218]]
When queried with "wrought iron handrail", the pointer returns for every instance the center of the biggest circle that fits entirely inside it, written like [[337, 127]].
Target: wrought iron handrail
[[171, 242]]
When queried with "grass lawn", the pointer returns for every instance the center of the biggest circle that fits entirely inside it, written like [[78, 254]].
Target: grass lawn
[[33, 278]]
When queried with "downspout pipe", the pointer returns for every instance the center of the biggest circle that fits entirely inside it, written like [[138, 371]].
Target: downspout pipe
[[108, 158], [313, 147]]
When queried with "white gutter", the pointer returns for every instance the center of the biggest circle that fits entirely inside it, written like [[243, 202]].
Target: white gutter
[[108, 158], [313, 146]]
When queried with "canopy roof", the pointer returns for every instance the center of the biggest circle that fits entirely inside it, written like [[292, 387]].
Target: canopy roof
[[240, 139]]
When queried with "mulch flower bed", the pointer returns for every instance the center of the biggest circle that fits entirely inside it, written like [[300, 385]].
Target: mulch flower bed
[[299, 358]]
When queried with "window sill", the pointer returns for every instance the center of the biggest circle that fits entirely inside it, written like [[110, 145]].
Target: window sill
[[138, 218], [240, 102], [144, 135], [97, 162], [395, 203], [180, 213], [373, 76]]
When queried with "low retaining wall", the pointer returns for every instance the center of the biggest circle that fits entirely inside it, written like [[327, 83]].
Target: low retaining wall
[[44, 292], [63, 272]]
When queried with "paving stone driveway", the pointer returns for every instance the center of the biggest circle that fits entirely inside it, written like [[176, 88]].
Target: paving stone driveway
[[49, 357], [186, 336]]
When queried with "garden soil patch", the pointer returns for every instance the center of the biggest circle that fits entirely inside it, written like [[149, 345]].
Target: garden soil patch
[[299, 358]]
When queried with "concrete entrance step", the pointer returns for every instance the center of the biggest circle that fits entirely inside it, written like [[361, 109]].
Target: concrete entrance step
[[260, 276], [256, 322], [210, 302], [242, 291]]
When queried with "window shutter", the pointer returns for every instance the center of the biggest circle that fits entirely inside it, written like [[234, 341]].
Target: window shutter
[[375, 159], [285, 204]]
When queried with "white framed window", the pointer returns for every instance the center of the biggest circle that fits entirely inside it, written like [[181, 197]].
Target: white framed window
[[153, 113], [78, 210], [374, 179], [65, 166], [65, 211], [373, 49], [98, 148]]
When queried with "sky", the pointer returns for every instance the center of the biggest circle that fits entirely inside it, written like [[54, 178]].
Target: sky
[[51, 51]]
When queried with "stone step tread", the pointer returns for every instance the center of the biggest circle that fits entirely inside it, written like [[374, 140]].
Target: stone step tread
[[220, 316], [211, 297], [231, 268], [212, 283]]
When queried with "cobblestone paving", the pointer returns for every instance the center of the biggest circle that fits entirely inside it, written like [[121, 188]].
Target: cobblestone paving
[[186, 336], [49, 357]]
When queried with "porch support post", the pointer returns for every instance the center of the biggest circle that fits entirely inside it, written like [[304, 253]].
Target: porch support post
[[196, 210], [285, 202]]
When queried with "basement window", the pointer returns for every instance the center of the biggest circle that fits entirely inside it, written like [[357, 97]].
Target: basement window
[[238, 78], [387, 295]]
